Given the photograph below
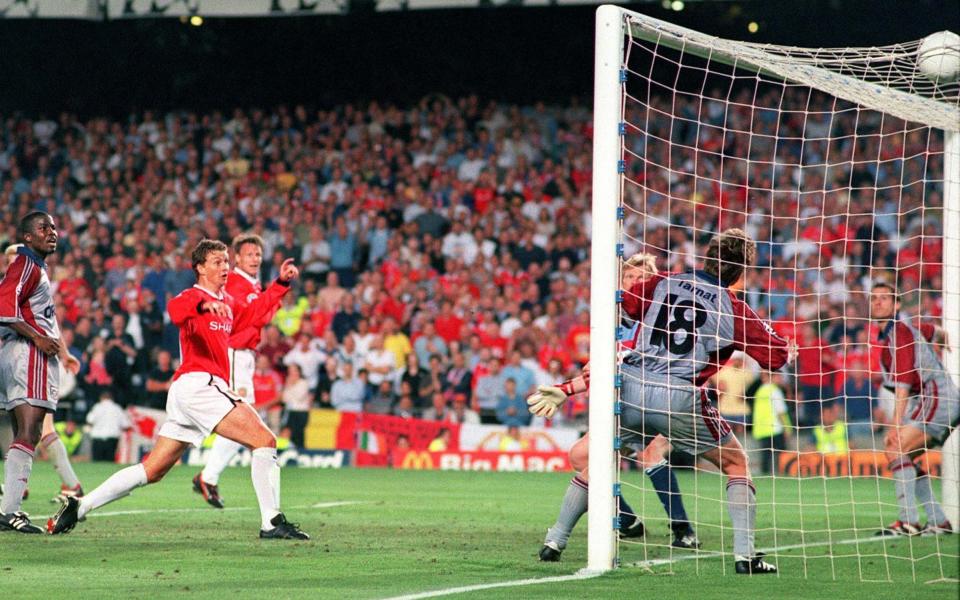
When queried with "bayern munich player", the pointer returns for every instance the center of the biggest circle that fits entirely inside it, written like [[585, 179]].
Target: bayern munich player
[[243, 285], [638, 267], [926, 410], [30, 365], [200, 401], [49, 440], [691, 324]]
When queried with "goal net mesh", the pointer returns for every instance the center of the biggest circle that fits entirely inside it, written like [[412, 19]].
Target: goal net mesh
[[833, 161]]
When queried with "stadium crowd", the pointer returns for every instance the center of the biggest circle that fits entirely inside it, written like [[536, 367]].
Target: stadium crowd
[[445, 245]]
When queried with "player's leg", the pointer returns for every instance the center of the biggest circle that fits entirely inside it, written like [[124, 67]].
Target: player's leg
[[60, 459], [243, 425], [574, 506], [18, 466], [161, 459], [665, 484], [900, 450], [206, 483], [724, 450], [937, 521]]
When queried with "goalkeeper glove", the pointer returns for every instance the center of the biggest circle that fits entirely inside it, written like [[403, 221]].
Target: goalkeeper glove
[[546, 400]]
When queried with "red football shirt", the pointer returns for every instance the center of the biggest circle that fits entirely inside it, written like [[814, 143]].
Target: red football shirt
[[203, 335], [246, 333]]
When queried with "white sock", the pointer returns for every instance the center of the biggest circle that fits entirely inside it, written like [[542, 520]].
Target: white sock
[[60, 459], [265, 473], [117, 486], [16, 472], [218, 458]]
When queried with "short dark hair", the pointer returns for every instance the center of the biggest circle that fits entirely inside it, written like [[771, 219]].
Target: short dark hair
[[247, 238], [729, 253], [203, 248], [28, 221]]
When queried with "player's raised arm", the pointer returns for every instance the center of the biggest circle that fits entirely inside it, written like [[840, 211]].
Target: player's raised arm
[[260, 312], [757, 338]]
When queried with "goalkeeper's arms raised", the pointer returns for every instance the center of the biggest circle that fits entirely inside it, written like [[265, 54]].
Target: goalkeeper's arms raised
[[548, 398]]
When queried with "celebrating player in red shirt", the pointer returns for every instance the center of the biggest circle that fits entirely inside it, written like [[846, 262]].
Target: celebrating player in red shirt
[[243, 285], [200, 402]]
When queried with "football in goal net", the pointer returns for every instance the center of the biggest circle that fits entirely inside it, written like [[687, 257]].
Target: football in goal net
[[775, 305]]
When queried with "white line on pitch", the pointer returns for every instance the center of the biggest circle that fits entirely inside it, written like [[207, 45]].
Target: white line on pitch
[[153, 511], [490, 586], [706, 555], [646, 563]]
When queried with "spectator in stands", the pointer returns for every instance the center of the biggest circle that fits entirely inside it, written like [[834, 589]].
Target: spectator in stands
[[349, 391], [490, 388], [380, 363], [770, 420], [439, 410], [297, 401], [107, 421], [381, 401], [859, 404], [830, 435], [346, 319], [343, 252], [405, 406], [512, 407], [315, 258], [119, 360], [429, 343], [308, 357], [462, 413], [419, 380], [458, 379], [291, 314], [396, 342], [158, 381], [325, 380], [523, 377], [732, 382]]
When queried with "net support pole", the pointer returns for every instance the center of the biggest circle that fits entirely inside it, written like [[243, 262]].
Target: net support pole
[[951, 313], [601, 543]]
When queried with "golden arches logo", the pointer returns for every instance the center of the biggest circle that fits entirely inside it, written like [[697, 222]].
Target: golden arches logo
[[417, 460]]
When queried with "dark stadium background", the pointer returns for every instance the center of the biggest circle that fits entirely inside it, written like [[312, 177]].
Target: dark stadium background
[[514, 54]]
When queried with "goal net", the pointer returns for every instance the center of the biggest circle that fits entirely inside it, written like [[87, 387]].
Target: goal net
[[844, 166]]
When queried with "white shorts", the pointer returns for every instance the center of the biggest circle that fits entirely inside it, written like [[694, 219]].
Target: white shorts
[[242, 365], [28, 376], [196, 403]]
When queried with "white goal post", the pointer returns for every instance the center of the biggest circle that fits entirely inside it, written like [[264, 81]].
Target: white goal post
[[876, 79]]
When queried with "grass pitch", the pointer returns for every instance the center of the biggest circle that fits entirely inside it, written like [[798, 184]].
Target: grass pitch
[[383, 533]]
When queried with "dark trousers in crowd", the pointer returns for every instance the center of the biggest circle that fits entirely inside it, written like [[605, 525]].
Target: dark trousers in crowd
[[297, 422], [769, 448], [105, 449]]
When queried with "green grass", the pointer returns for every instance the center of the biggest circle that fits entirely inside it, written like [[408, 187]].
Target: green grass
[[416, 531]]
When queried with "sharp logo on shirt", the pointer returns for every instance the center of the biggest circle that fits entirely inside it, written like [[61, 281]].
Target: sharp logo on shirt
[[217, 326]]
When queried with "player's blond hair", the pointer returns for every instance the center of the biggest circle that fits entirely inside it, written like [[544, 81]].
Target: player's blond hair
[[642, 259], [730, 252]]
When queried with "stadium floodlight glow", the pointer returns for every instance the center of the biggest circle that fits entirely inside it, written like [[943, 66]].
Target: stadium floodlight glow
[[780, 140], [196, 20]]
